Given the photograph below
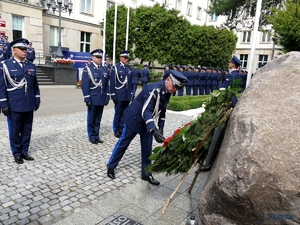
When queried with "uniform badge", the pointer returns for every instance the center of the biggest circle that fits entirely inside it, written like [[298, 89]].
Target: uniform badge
[[121, 77], [163, 92], [95, 79]]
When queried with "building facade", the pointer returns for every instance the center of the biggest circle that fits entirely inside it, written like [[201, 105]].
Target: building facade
[[81, 31]]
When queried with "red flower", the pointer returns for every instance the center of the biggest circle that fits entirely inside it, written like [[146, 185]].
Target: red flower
[[176, 131], [167, 140], [189, 123]]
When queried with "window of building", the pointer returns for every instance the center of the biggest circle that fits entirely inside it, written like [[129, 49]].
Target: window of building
[[85, 42], [86, 6], [17, 27], [109, 4], [244, 60], [213, 17], [265, 37], [189, 9], [246, 36], [248, 13], [178, 5], [199, 10], [262, 60], [54, 35]]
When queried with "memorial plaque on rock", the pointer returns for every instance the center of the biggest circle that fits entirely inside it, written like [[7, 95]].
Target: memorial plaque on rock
[[123, 220]]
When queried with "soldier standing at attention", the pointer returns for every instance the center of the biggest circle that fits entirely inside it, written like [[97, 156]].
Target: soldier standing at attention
[[135, 76], [95, 89], [6, 47], [30, 52], [189, 84], [120, 90], [196, 84], [182, 70], [19, 98], [145, 75], [146, 116]]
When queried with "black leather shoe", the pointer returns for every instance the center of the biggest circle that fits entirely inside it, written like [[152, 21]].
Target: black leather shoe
[[27, 157], [99, 140], [19, 160], [117, 135], [111, 173], [151, 180], [94, 142]]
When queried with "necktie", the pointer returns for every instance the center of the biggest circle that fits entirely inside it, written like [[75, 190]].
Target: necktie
[[23, 65]]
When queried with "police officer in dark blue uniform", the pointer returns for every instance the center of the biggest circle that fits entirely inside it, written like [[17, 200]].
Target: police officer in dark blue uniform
[[203, 81], [135, 76], [19, 98], [146, 116], [182, 70], [233, 66], [6, 48], [30, 52], [233, 74], [95, 89], [145, 75], [196, 83], [120, 90], [208, 81], [214, 79], [189, 84]]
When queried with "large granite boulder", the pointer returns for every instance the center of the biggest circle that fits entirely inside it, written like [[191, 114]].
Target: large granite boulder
[[256, 176]]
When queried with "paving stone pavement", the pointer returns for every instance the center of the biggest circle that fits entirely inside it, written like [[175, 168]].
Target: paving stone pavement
[[67, 182]]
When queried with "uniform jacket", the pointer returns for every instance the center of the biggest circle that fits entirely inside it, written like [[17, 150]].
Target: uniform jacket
[[203, 78], [233, 74], [145, 75], [7, 50], [120, 82], [95, 89], [135, 75], [190, 76], [139, 114], [24, 97], [197, 78], [30, 53]]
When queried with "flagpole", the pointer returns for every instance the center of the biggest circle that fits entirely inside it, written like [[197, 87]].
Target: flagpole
[[253, 41], [104, 35], [115, 33], [127, 27]]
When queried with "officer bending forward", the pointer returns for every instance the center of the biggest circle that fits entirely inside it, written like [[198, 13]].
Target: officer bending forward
[[146, 116]]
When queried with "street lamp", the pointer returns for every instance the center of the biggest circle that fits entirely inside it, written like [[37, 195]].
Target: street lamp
[[67, 7]]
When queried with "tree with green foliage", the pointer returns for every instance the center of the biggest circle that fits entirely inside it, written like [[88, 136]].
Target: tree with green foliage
[[239, 11], [156, 33], [286, 22]]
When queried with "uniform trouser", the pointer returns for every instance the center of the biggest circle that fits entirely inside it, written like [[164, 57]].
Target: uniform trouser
[[195, 89], [118, 122], [188, 90], [207, 89], [201, 89], [123, 143], [19, 130], [180, 91], [94, 116], [134, 87]]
